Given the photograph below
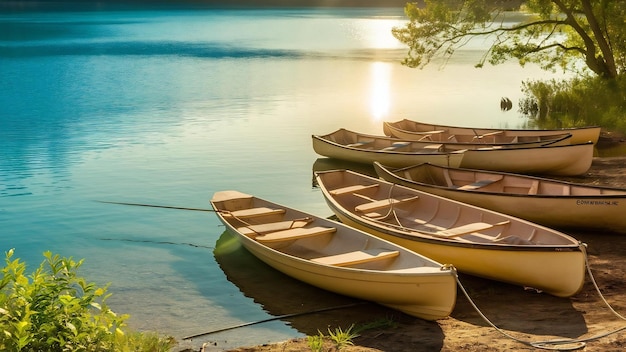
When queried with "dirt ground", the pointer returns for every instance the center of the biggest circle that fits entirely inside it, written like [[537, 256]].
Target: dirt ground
[[524, 315]]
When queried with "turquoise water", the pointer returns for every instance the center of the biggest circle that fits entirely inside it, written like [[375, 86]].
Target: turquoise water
[[169, 106]]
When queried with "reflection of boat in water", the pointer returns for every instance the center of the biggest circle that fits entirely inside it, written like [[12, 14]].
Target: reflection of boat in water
[[279, 294]]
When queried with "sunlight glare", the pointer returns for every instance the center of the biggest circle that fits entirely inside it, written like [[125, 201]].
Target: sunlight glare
[[380, 99], [377, 33]]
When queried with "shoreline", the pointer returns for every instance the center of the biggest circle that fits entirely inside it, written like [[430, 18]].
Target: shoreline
[[524, 315]]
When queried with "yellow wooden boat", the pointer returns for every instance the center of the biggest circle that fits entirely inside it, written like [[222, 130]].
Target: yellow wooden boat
[[559, 160], [476, 241], [362, 148], [545, 201], [338, 258], [554, 158], [415, 130]]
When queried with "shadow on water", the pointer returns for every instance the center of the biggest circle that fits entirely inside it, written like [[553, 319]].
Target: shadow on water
[[280, 295]]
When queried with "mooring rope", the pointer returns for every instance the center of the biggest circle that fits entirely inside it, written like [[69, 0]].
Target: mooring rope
[[320, 310], [559, 345], [583, 248]]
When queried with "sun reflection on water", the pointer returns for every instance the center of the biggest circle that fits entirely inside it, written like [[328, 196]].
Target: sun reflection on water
[[377, 33], [380, 88]]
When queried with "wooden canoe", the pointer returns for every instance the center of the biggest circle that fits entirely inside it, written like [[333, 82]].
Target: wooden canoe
[[560, 160], [336, 257], [475, 240], [351, 146], [364, 148], [552, 158], [545, 201], [415, 130]]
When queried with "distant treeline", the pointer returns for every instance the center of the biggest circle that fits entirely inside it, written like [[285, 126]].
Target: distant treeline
[[507, 4]]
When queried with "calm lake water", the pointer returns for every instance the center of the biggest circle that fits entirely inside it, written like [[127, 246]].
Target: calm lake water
[[167, 107]]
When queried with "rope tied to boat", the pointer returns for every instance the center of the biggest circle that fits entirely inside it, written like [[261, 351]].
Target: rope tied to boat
[[539, 344], [558, 345], [391, 211], [583, 248]]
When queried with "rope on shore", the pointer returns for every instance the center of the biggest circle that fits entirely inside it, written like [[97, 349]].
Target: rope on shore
[[559, 345], [275, 318]]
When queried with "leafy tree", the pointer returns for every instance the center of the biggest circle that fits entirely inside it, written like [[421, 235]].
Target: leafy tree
[[554, 33]]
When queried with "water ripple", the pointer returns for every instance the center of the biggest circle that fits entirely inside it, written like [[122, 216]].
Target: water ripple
[[145, 48]]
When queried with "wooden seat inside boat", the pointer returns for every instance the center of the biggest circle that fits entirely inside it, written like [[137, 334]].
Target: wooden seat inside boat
[[478, 184], [383, 203], [433, 132], [490, 134], [534, 187], [351, 189], [357, 257], [396, 145], [358, 144], [467, 229], [433, 147], [254, 212], [428, 134], [295, 234], [260, 229]]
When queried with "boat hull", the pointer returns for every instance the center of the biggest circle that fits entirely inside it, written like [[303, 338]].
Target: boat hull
[[576, 212], [398, 292], [407, 281], [415, 130], [562, 272], [564, 160], [557, 157], [546, 260], [398, 159]]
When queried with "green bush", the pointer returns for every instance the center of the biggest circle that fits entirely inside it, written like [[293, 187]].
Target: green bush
[[55, 310], [581, 101]]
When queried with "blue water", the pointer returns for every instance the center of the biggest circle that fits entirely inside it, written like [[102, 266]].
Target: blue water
[[169, 106]]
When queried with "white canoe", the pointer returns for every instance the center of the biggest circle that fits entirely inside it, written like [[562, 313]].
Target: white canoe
[[545, 201], [415, 130], [360, 148], [560, 160], [476, 241], [552, 158], [338, 258]]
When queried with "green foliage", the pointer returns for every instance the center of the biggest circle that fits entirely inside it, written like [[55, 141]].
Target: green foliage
[[339, 338], [554, 34], [316, 343], [382, 323], [55, 310], [342, 338], [578, 102]]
